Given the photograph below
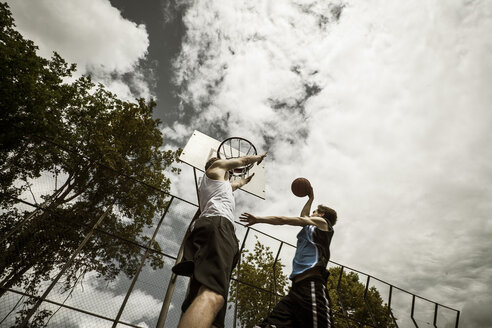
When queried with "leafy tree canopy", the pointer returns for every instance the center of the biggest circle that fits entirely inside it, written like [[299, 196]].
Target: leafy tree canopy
[[353, 308], [94, 147], [257, 269]]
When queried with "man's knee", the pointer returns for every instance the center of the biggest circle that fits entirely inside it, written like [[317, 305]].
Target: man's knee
[[215, 299]]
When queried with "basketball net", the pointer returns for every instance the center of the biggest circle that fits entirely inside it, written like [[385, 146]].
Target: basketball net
[[236, 147]]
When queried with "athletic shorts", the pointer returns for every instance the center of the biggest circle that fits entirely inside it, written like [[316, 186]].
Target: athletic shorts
[[306, 305], [211, 251]]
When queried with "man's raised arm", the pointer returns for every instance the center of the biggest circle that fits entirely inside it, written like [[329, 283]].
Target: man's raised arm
[[306, 210], [232, 163], [220, 167]]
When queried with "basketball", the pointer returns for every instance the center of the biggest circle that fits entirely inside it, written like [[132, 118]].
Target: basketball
[[301, 187]]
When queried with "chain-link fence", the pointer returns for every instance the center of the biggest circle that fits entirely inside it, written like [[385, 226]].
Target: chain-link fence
[[95, 261]]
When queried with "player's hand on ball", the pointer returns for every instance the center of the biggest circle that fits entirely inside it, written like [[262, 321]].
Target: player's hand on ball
[[248, 218]]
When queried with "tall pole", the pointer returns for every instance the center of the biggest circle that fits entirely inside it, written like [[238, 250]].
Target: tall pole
[[413, 311], [172, 282], [237, 275], [275, 292]]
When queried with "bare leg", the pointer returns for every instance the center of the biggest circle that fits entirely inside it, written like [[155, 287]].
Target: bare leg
[[202, 310]]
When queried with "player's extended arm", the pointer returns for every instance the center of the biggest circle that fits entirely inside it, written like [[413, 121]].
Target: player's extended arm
[[284, 220], [232, 163], [219, 168]]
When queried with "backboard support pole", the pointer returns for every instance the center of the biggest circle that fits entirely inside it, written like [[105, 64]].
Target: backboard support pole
[[172, 282]]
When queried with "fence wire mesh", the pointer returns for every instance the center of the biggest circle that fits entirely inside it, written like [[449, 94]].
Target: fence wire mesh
[[85, 265]]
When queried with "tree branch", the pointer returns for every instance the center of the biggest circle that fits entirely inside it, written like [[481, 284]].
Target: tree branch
[[13, 278], [74, 196], [66, 298], [30, 190]]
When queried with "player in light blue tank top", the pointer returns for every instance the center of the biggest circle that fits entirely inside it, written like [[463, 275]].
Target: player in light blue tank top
[[313, 249], [307, 304]]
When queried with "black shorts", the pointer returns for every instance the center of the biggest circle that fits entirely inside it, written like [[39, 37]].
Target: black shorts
[[306, 305], [211, 251]]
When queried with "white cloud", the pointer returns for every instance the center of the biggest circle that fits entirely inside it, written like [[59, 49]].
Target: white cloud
[[178, 132], [395, 135], [90, 33]]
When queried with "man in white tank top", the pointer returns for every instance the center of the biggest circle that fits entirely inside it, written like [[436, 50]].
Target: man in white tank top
[[211, 250]]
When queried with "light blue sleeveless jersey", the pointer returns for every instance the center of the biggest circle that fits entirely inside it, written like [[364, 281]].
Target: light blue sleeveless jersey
[[313, 249]]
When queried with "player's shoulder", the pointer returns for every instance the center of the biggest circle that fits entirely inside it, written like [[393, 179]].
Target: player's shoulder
[[321, 224], [219, 163], [214, 173], [217, 173]]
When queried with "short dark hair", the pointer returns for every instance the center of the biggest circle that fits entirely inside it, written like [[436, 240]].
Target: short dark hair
[[210, 162], [328, 213]]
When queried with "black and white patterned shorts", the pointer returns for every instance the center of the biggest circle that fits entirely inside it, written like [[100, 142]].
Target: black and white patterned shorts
[[306, 305]]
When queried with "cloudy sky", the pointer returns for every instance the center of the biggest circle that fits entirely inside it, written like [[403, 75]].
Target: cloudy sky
[[383, 105]]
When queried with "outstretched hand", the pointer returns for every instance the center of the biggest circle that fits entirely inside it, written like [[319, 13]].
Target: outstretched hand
[[261, 158], [249, 219], [248, 179]]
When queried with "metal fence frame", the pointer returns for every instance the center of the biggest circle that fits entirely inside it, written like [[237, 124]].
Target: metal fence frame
[[235, 280], [170, 289]]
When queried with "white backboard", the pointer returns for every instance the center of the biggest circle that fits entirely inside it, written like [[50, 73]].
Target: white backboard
[[200, 148]]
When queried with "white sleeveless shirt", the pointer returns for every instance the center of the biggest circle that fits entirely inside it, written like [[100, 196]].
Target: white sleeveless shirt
[[216, 198]]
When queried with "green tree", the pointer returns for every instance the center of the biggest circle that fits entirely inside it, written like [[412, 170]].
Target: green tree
[[255, 303], [256, 268], [32, 99], [94, 146], [350, 306]]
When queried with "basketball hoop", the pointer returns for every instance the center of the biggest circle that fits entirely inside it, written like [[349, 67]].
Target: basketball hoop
[[235, 147]]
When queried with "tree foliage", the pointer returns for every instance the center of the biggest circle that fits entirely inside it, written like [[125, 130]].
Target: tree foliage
[[353, 305], [254, 304], [256, 269], [94, 147]]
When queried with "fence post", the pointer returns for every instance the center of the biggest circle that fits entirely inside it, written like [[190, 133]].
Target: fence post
[[368, 307], [389, 306], [413, 309], [340, 299], [435, 315], [237, 274], [274, 273]]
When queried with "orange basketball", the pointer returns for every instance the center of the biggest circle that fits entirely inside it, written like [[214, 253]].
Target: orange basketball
[[301, 187]]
